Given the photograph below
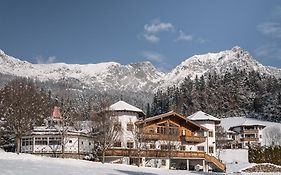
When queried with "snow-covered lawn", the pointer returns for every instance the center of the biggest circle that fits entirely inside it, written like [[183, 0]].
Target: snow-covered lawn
[[235, 160], [26, 164]]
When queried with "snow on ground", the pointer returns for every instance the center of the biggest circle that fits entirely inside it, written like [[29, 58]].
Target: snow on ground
[[26, 164], [235, 159]]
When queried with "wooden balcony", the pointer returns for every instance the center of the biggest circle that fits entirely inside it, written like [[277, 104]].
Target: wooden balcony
[[249, 139], [193, 139], [134, 153], [154, 153], [250, 131], [157, 136], [184, 139]]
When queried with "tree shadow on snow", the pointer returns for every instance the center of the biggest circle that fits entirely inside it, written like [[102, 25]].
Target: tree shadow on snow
[[135, 173]]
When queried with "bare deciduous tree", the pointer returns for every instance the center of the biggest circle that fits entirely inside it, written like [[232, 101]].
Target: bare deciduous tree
[[22, 106], [106, 128]]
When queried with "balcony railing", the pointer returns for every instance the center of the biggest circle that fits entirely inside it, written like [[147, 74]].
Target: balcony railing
[[184, 139], [248, 139], [154, 153], [193, 139], [158, 136], [165, 154], [250, 131]]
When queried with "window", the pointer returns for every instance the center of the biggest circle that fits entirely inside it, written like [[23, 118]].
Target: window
[[168, 147], [260, 136], [182, 147], [173, 131], [89, 143], [41, 141], [70, 141], [211, 134], [130, 144], [161, 130], [172, 147], [163, 162], [152, 146], [130, 126], [82, 142], [26, 141], [211, 149], [54, 141], [117, 126], [164, 147], [200, 148], [117, 144]]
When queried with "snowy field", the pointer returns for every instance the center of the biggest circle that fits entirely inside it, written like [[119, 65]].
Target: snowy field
[[25, 164]]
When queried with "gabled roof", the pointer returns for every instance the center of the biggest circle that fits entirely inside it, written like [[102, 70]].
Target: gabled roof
[[248, 123], [172, 113], [123, 106], [202, 116]]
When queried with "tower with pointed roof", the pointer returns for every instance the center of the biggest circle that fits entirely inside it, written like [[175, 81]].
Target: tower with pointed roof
[[209, 122], [127, 115]]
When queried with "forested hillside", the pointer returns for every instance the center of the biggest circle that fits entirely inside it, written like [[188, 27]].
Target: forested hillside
[[233, 94]]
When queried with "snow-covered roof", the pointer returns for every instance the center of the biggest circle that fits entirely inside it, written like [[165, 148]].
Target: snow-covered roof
[[123, 106], [249, 123], [202, 116]]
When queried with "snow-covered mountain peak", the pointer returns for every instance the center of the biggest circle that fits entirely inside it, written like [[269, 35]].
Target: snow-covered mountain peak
[[236, 48], [221, 62], [141, 76], [2, 52]]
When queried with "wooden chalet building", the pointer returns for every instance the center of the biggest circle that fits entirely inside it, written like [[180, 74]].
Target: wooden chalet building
[[169, 140]]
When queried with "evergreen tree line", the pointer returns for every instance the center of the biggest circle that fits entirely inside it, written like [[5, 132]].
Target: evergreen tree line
[[236, 94], [265, 154]]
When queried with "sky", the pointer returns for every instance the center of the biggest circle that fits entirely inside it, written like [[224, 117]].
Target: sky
[[128, 31]]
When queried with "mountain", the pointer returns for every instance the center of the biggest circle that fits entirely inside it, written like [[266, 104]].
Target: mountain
[[134, 77], [222, 62], [103, 76]]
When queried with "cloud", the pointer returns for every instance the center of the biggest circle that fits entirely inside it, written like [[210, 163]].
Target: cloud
[[153, 56], [184, 37], [153, 30], [155, 27], [151, 38], [158, 26], [269, 51], [272, 29], [202, 40], [49, 60]]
